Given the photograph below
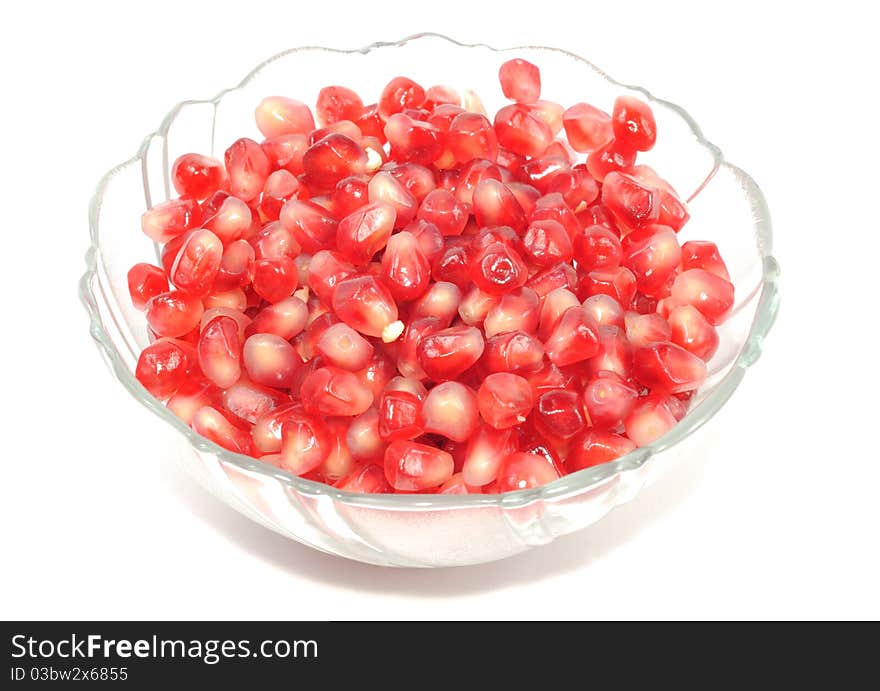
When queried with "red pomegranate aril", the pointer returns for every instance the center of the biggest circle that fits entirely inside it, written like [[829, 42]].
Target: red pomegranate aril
[[416, 178], [164, 366], [498, 269], [361, 234], [615, 353], [457, 485], [343, 347], [518, 310], [280, 187], [562, 275], [407, 355], [619, 283], [232, 299], [476, 305], [197, 263], [305, 443], [446, 354], [275, 279], [366, 304], [286, 152], [471, 136], [277, 116], [522, 470], [174, 313], [519, 130], [413, 140], [266, 432], [484, 453], [428, 238], [334, 391], [219, 351], [351, 194], [270, 360], [608, 159], [520, 81], [168, 220], [631, 202], [709, 293], [595, 447], [331, 159], [232, 220], [559, 414], [605, 310], [339, 461], [649, 420], [471, 175], [249, 402], [547, 243], [551, 113], [312, 226], [145, 281], [597, 248], [337, 103], [557, 302], [526, 195], [385, 188], [668, 367], [643, 330], [399, 416], [515, 351], [413, 467], [450, 410], [247, 167], [197, 177], [653, 259], [700, 254], [495, 205], [577, 187], [441, 301], [573, 339], [240, 318], [504, 400], [633, 124], [693, 332], [191, 397], [405, 269], [286, 318], [367, 479], [371, 123], [400, 93], [552, 206], [362, 437], [236, 266], [608, 399], [441, 95], [586, 127], [326, 269], [453, 265], [212, 424]]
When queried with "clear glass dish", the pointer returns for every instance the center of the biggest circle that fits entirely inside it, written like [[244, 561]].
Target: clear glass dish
[[726, 206]]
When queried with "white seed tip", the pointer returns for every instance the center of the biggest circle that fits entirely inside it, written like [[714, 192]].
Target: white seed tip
[[374, 160], [302, 294], [392, 332]]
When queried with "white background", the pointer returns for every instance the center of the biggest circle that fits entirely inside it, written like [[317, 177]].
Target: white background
[[780, 517]]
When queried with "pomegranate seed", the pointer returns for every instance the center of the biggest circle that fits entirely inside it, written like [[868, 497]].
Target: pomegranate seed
[[286, 151], [413, 467], [516, 311], [605, 310], [240, 318], [334, 391], [385, 188], [371, 123], [413, 140], [649, 420], [457, 485], [189, 398], [519, 130], [557, 302], [331, 159], [337, 103], [475, 306], [520, 81], [498, 269], [632, 203], [399, 416], [351, 194], [417, 179], [668, 367], [326, 269], [596, 247], [552, 206], [236, 266], [248, 402], [266, 432], [196, 176], [339, 461], [286, 318], [362, 437], [428, 238], [633, 124], [164, 366], [407, 357], [540, 171], [595, 447], [232, 299], [577, 187], [619, 283], [400, 93], [484, 454], [693, 332], [450, 409], [442, 301], [471, 136], [280, 187], [559, 414], [219, 351], [608, 400], [573, 339], [342, 346], [523, 470], [644, 329], [366, 231], [440, 95], [174, 313], [495, 205], [248, 167], [551, 113], [453, 265], [515, 351], [270, 360], [608, 159], [405, 269], [275, 279], [615, 353], [366, 305], [368, 479], [311, 225], [697, 254], [145, 281], [197, 263], [212, 424], [277, 116], [446, 354], [709, 293], [471, 175], [586, 127], [544, 282], [232, 220], [653, 259], [504, 400], [547, 243], [170, 219], [305, 443]]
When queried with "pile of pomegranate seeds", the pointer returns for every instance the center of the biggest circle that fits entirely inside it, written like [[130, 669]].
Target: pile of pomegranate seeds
[[408, 296]]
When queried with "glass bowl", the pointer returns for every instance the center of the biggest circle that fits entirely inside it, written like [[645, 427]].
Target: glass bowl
[[726, 206]]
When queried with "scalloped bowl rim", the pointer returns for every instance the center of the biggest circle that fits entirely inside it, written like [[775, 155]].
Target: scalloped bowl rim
[[565, 486]]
